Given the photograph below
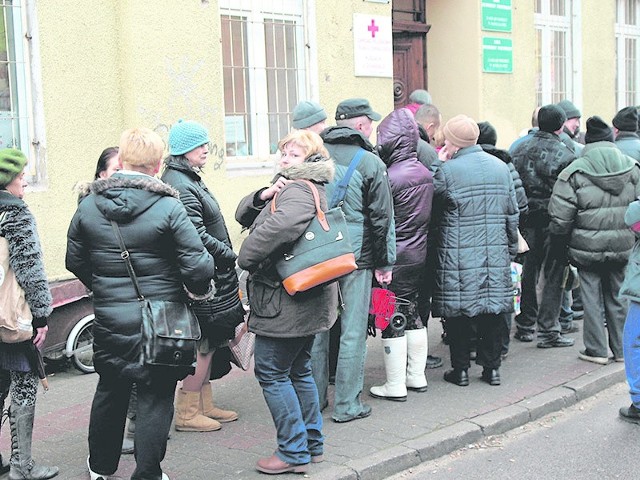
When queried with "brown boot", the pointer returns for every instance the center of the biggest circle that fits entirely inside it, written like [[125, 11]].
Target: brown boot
[[188, 418], [208, 409]]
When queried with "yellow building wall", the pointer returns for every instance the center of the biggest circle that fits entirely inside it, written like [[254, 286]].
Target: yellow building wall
[[110, 65], [598, 61], [336, 58]]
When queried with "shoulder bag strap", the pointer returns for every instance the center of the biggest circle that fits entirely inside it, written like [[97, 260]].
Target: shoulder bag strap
[[316, 198], [127, 260], [341, 189]]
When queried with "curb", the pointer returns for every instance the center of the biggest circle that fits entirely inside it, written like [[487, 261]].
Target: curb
[[441, 442]]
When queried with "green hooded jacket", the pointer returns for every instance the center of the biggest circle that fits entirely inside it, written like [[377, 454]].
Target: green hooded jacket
[[589, 201]]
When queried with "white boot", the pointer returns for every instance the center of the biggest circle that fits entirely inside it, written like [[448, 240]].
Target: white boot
[[417, 351], [395, 364]]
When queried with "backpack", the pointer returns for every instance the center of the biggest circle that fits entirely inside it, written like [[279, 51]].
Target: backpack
[[15, 314]]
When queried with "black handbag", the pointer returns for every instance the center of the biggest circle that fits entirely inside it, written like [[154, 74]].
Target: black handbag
[[170, 330]]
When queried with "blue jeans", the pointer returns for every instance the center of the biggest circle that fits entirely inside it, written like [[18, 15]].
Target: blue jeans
[[283, 368], [631, 346], [356, 294], [566, 313]]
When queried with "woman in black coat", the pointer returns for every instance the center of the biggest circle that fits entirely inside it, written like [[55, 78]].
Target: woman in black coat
[[168, 257], [189, 149]]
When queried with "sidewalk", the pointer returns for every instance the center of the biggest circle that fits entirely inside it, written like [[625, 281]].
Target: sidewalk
[[395, 437]]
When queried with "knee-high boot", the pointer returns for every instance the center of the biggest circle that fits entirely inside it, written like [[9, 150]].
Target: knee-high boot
[[417, 351], [395, 365], [22, 465]]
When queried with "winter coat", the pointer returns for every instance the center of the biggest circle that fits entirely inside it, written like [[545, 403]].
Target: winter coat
[[368, 205], [18, 227], [477, 216], [631, 285], [521, 195], [589, 201], [538, 162], [629, 144], [274, 313], [412, 190], [165, 250], [205, 214], [520, 140]]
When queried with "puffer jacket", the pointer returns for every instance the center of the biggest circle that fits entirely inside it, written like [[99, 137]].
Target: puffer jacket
[[589, 201], [166, 252], [631, 286], [629, 144], [538, 161], [205, 214], [368, 205], [274, 313], [477, 218], [412, 190]]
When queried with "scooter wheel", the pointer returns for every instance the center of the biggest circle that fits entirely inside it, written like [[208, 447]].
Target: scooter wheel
[[398, 321]]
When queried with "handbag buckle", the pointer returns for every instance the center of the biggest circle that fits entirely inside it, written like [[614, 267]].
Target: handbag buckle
[[124, 254], [288, 256]]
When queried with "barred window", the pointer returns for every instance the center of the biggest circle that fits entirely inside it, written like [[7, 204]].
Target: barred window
[[264, 70], [627, 52], [554, 58], [13, 85]]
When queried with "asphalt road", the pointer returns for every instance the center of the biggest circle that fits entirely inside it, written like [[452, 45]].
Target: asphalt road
[[584, 442]]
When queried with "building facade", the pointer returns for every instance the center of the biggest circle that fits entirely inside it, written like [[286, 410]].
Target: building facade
[[74, 75]]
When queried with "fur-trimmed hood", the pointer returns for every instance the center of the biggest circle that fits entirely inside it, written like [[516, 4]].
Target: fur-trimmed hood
[[125, 196], [319, 172]]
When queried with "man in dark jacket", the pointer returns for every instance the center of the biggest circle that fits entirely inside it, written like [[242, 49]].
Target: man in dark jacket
[[539, 161], [625, 125], [587, 209], [368, 207]]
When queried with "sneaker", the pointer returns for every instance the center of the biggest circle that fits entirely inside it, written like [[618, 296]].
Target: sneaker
[[557, 341], [366, 411], [523, 336], [96, 476], [578, 314], [433, 361], [630, 414], [573, 328], [587, 357]]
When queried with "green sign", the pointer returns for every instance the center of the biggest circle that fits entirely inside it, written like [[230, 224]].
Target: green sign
[[496, 15], [497, 55]]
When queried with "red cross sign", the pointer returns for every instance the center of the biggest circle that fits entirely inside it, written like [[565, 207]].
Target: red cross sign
[[373, 28]]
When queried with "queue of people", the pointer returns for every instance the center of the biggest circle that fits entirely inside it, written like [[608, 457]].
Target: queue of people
[[435, 213]]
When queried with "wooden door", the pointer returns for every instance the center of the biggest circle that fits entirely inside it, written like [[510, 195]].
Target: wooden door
[[408, 65]]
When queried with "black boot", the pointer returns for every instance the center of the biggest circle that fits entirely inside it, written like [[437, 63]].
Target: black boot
[[458, 377], [491, 376], [22, 465]]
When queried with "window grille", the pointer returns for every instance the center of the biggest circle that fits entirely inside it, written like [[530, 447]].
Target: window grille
[[264, 72], [627, 52]]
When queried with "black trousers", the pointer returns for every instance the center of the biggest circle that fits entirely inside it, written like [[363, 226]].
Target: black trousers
[[153, 421], [489, 341]]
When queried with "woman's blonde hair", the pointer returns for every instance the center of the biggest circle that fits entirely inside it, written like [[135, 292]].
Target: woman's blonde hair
[[141, 147], [307, 140]]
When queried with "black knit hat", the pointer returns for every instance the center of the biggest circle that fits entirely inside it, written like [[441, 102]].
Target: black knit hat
[[488, 134], [551, 118], [626, 119], [598, 131]]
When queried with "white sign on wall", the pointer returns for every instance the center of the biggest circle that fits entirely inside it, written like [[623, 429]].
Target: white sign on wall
[[372, 46]]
